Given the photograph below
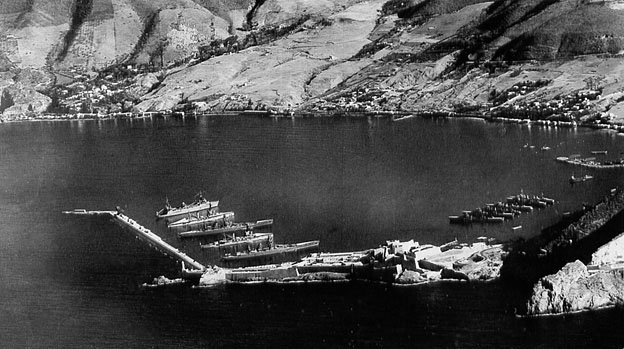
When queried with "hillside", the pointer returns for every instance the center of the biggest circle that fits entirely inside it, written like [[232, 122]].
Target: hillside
[[327, 55]]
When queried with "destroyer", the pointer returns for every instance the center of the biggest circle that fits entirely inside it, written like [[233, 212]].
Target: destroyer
[[501, 211]]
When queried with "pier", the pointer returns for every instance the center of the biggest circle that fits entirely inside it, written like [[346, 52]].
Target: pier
[[143, 234]]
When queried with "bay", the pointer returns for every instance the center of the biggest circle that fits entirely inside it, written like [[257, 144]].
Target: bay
[[350, 182]]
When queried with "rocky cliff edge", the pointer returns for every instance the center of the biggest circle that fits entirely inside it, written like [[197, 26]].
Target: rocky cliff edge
[[577, 287]]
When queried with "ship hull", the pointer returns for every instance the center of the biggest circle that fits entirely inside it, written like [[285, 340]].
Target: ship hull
[[278, 254], [220, 220], [231, 229], [175, 214]]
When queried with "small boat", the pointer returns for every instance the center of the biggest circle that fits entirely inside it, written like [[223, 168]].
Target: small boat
[[462, 219], [523, 208], [163, 281], [585, 178], [599, 152], [403, 117], [545, 148], [507, 215], [548, 201], [495, 220], [219, 220], [200, 207]]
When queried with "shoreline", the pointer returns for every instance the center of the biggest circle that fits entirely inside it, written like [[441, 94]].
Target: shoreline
[[570, 312], [426, 114]]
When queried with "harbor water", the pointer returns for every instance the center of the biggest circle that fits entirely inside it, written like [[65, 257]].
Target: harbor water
[[351, 183]]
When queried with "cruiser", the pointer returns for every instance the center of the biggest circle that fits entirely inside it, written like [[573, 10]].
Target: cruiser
[[197, 222]]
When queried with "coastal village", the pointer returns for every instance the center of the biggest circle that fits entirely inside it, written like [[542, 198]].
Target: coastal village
[[391, 68]]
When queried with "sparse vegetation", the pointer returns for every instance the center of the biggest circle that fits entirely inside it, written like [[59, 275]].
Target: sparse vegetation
[[428, 8], [261, 36]]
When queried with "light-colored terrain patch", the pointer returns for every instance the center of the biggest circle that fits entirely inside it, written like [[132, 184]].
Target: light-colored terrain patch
[[334, 75], [128, 27], [445, 26], [188, 28], [364, 12], [238, 17], [276, 11], [439, 28], [616, 5], [34, 43], [104, 44]]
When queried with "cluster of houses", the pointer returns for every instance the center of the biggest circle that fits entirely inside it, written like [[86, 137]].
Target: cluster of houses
[[104, 93], [567, 108], [360, 100]]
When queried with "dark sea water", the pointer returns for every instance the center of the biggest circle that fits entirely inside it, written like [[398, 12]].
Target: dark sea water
[[351, 183]]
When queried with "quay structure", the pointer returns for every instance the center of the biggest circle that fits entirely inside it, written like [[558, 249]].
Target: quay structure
[[395, 262]]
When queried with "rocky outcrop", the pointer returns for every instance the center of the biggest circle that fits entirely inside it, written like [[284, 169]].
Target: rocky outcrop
[[38, 79], [18, 99], [573, 288], [610, 254], [578, 287], [410, 277], [142, 85]]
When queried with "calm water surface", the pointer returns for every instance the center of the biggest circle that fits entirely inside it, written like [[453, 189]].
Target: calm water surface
[[352, 183]]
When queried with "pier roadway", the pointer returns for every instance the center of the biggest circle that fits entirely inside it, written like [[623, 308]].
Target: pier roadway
[[144, 234]]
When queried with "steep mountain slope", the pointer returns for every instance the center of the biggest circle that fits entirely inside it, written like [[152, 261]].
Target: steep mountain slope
[[95, 33], [578, 31], [329, 55], [427, 64], [274, 75]]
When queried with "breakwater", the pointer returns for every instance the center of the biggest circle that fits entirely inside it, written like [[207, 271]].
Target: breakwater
[[143, 234]]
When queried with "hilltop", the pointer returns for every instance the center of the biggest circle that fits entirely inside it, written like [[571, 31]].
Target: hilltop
[[556, 60]]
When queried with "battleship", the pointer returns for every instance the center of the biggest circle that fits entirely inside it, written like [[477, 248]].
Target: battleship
[[200, 206]]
